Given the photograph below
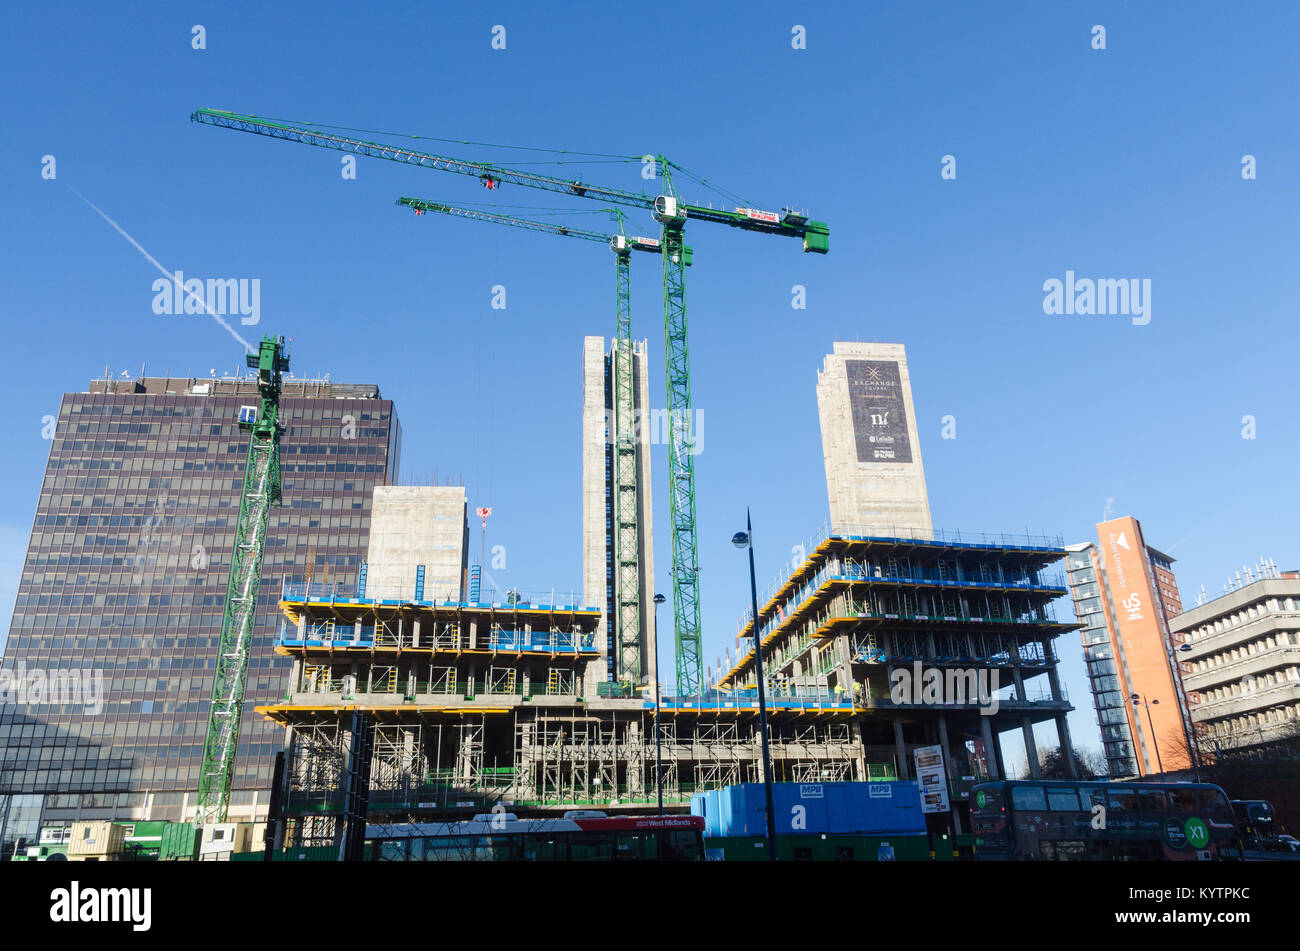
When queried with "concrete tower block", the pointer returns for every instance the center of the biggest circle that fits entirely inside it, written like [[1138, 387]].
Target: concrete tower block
[[874, 476]]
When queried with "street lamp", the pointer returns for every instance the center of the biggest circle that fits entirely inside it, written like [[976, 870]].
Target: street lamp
[[745, 539], [659, 763], [1138, 701], [1189, 730]]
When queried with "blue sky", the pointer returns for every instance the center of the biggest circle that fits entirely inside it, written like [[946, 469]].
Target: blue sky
[[1122, 163]]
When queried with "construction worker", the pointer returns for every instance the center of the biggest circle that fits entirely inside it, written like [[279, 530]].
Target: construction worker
[[857, 691]]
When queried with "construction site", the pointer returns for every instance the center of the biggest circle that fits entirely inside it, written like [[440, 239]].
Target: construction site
[[419, 693], [412, 699], [481, 705]]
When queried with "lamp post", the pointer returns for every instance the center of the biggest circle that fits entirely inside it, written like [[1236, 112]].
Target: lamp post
[[745, 539], [1189, 730], [1138, 701], [659, 763]]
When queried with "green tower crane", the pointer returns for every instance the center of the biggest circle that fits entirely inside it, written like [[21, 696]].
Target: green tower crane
[[261, 491], [626, 624], [672, 213]]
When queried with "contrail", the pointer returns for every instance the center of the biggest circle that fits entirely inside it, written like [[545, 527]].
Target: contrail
[[248, 348]]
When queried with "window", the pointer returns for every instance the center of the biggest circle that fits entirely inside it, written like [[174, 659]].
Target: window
[[1028, 797], [591, 846], [1212, 801], [1153, 800], [681, 845], [1063, 799], [1182, 800], [1122, 800]]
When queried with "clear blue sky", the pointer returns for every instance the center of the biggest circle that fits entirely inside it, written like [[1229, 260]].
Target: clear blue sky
[[1117, 163]]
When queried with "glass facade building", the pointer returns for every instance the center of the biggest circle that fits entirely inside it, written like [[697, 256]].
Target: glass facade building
[[1124, 593], [1109, 693], [123, 587]]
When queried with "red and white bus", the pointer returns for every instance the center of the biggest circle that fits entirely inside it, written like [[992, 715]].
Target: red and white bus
[[580, 836]]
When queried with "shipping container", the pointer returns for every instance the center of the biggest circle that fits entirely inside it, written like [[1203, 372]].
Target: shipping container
[[812, 809]]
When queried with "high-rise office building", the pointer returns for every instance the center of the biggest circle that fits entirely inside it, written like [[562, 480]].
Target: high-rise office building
[[126, 575], [1243, 663], [1124, 594], [874, 475], [600, 518]]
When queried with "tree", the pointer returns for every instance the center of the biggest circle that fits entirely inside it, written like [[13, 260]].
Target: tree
[[1088, 764]]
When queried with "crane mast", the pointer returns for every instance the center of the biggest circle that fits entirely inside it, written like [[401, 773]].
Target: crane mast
[[672, 214], [681, 449], [260, 491], [624, 434]]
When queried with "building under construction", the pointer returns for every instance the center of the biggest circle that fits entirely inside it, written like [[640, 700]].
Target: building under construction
[[414, 701], [478, 704]]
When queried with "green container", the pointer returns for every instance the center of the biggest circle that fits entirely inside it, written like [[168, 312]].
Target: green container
[[180, 843]]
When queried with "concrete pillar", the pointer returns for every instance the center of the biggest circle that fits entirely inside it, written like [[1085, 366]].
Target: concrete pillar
[[1031, 750], [991, 756], [415, 633], [998, 762], [900, 750], [1053, 678], [1020, 683], [949, 772], [1067, 747]]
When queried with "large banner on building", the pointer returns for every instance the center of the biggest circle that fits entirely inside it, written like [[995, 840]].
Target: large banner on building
[[879, 411], [931, 778]]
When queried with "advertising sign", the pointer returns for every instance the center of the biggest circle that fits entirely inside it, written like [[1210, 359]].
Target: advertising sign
[[879, 412], [931, 778]]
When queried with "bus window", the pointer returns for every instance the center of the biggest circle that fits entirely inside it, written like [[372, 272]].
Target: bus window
[[1030, 798], [1092, 796], [1182, 800], [1122, 800], [1152, 800], [393, 850], [591, 846], [498, 848], [1063, 799], [448, 848], [681, 845], [634, 846], [1212, 802], [546, 847]]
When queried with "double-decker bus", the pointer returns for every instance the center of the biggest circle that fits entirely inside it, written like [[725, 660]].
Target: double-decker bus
[[1020, 820], [580, 836]]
